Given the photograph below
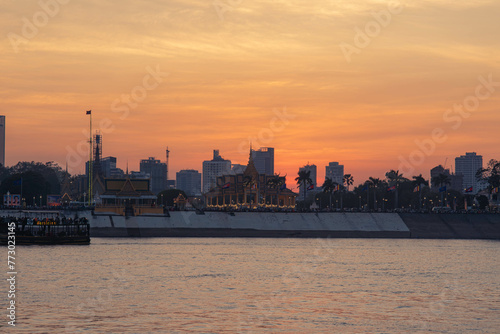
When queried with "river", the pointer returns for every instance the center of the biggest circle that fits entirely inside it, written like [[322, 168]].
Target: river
[[227, 285]]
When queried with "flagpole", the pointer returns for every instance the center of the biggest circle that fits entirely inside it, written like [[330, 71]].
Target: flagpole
[[91, 167]]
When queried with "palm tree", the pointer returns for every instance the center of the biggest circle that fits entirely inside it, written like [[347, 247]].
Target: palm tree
[[394, 178], [348, 180], [304, 179], [375, 182], [420, 181], [329, 187], [440, 181]]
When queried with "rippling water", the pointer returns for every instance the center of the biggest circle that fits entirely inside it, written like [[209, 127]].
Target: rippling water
[[256, 285]]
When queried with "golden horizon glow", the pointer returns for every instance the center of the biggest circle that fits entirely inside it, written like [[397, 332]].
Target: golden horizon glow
[[229, 74]]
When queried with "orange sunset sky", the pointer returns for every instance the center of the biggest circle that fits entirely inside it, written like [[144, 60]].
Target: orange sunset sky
[[233, 64]]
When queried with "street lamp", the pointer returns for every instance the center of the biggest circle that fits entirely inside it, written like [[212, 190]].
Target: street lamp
[[40, 200]]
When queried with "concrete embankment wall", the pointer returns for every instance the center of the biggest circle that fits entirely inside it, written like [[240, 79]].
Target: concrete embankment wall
[[453, 226], [257, 224], [254, 224]]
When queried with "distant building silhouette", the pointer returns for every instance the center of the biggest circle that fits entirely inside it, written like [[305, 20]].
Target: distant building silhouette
[[189, 180], [263, 159], [158, 172], [109, 169], [456, 180], [468, 165], [335, 172], [2, 140], [213, 168]]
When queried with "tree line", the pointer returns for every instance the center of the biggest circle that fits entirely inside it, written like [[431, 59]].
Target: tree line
[[33, 180], [397, 191]]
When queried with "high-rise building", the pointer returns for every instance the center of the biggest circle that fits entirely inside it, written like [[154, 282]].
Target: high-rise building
[[468, 165], [213, 168], [189, 180], [456, 180], [158, 172], [108, 167], [2, 140], [335, 172], [263, 160]]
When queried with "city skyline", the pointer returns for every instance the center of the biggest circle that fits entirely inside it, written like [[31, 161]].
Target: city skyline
[[422, 89]]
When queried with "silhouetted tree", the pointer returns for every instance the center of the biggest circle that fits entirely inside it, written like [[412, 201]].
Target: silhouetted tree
[[304, 179]]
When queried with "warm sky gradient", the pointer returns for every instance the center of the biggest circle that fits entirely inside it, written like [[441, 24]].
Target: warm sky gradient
[[226, 76]]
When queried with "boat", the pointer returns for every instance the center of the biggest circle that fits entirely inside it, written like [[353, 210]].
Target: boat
[[46, 231]]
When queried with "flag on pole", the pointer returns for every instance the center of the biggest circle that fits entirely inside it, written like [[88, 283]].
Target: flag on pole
[[227, 185], [283, 186], [254, 186], [391, 188], [365, 188], [89, 112], [337, 187], [442, 189], [495, 190], [311, 187], [417, 189], [468, 190], [18, 182]]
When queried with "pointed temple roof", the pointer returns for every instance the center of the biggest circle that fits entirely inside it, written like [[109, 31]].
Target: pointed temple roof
[[251, 170], [128, 190], [127, 187]]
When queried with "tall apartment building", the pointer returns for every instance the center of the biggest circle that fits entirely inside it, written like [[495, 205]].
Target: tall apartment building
[[468, 165], [335, 172], [158, 172], [189, 181], [263, 160], [108, 167], [213, 168]]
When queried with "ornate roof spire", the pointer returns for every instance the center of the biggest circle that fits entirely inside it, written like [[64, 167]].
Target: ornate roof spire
[[251, 170]]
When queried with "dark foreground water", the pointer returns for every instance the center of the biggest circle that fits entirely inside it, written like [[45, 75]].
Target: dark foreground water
[[258, 285]]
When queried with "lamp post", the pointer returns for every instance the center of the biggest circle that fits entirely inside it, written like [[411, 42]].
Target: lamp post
[[40, 200]]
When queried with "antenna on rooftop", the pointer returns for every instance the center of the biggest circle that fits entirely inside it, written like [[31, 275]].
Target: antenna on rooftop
[[168, 154]]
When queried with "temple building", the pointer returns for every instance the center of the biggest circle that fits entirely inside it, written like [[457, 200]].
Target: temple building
[[250, 190], [129, 197]]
